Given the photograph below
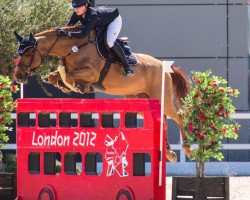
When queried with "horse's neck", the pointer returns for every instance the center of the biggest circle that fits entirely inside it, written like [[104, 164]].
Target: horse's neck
[[51, 44]]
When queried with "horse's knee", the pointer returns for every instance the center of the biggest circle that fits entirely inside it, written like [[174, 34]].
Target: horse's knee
[[52, 79]]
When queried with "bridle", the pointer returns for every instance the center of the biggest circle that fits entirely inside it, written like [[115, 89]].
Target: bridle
[[28, 69]]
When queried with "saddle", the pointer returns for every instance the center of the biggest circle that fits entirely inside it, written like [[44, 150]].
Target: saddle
[[105, 52]]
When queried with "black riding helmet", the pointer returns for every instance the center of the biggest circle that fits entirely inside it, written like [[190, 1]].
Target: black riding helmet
[[79, 3]]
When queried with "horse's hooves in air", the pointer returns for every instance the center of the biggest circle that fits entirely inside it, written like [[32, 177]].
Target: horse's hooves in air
[[79, 87], [171, 156], [188, 150]]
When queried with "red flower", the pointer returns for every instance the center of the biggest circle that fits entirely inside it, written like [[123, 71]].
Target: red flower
[[221, 107], [200, 136], [202, 116], [190, 127], [13, 88], [197, 81], [212, 126], [1, 119], [233, 91], [222, 90], [1, 84], [196, 96], [236, 129], [16, 61], [222, 114], [214, 83], [211, 142], [2, 98]]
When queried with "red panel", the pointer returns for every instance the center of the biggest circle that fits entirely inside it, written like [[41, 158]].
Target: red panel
[[116, 145]]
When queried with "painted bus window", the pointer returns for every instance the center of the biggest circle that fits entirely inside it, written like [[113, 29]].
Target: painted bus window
[[111, 120], [52, 163], [34, 163], [93, 163], [26, 119], [47, 119], [141, 164], [89, 120], [68, 119], [73, 163], [134, 120]]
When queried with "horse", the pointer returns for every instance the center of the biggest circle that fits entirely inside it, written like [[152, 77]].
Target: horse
[[84, 67]]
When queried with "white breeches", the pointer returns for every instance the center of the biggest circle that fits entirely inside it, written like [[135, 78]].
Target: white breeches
[[113, 31]]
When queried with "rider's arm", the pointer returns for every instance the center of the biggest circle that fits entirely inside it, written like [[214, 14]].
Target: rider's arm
[[88, 26], [73, 19]]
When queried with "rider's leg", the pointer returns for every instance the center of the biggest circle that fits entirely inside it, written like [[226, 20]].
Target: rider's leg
[[119, 52], [113, 31]]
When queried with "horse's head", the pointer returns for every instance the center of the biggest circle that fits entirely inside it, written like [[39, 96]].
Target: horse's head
[[32, 50], [29, 57]]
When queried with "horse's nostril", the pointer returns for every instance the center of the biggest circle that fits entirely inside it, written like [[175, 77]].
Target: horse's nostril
[[20, 78]]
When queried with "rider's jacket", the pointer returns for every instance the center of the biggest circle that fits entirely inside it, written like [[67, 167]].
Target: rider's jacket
[[94, 17]]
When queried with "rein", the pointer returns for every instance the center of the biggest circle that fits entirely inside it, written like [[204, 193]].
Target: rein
[[29, 69], [78, 47]]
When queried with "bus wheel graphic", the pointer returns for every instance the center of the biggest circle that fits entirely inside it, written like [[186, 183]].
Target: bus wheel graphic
[[46, 194], [123, 195]]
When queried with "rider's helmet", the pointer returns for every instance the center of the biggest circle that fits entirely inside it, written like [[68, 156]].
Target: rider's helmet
[[79, 3]]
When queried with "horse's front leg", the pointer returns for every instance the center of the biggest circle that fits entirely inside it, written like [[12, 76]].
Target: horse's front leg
[[78, 79], [54, 78], [69, 80]]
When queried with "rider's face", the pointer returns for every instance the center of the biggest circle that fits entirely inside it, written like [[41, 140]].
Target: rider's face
[[81, 10]]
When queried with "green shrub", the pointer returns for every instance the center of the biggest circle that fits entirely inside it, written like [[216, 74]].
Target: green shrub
[[9, 161], [26, 16], [207, 113], [6, 106]]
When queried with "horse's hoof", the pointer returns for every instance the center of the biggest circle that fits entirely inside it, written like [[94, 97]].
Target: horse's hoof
[[188, 150], [171, 156]]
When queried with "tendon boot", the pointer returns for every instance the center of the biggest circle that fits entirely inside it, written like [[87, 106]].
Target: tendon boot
[[119, 52]]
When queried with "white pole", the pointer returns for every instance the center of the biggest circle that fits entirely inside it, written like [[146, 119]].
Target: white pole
[[21, 92], [166, 67]]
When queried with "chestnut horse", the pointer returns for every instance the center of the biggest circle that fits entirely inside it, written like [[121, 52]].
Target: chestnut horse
[[84, 67]]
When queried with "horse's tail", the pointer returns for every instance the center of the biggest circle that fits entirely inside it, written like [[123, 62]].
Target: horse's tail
[[181, 84]]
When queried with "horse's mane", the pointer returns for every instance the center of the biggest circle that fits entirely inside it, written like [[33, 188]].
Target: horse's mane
[[52, 31]]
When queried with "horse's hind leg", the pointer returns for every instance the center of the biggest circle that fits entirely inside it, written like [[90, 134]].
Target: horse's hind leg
[[171, 111], [170, 155]]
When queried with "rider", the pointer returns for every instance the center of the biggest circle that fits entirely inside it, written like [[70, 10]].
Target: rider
[[101, 16]]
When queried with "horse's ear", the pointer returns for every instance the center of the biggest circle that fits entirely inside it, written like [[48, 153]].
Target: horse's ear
[[31, 37], [18, 37]]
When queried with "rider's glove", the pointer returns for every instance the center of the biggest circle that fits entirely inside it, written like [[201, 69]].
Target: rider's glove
[[63, 33]]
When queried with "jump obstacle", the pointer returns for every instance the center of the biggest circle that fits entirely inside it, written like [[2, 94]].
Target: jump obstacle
[[90, 149]]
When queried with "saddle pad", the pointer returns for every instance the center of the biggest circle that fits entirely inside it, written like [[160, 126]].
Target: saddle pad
[[104, 53]]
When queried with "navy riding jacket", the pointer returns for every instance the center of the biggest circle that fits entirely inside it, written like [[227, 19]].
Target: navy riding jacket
[[93, 18]]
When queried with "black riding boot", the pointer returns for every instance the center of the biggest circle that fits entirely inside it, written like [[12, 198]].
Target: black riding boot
[[119, 52]]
